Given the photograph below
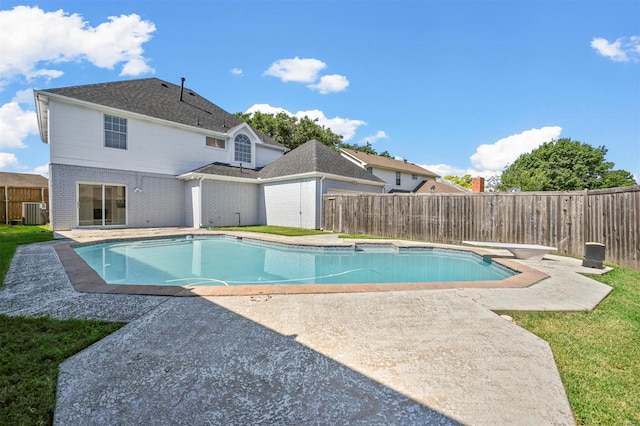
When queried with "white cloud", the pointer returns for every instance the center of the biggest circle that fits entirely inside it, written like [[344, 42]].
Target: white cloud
[[40, 39], [330, 84], [494, 157], [491, 159], [42, 170], [236, 71], [380, 134], [446, 170], [622, 50], [342, 126], [15, 125], [24, 97], [303, 70], [8, 161]]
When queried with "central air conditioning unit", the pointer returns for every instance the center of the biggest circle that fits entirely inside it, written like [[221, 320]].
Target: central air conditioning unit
[[34, 213]]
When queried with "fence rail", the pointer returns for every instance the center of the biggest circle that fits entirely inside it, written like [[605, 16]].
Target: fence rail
[[565, 220], [11, 199]]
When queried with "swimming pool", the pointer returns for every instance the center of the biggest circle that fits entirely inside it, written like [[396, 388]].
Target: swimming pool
[[194, 261]]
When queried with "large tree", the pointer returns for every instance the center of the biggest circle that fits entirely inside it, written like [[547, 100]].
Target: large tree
[[564, 165], [464, 181], [290, 131]]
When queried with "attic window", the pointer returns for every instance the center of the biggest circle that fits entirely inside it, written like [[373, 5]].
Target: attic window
[[414, 177], [370, 170], [215, 142]]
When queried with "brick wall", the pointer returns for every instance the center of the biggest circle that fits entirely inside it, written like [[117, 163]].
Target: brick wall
[[229, 203], [160, 201]]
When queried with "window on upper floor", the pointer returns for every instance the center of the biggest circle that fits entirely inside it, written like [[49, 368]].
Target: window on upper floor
[[397, 178], [242, 149], [115, 132], [215, 142], [414, 177], [370, 170]]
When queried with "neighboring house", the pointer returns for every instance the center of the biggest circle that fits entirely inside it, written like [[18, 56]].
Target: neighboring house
[[440, 187], [400, 176], [148, 153], [23, 180], [19, 188]]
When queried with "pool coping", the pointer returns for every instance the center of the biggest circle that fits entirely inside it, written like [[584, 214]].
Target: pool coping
[[86, 280]]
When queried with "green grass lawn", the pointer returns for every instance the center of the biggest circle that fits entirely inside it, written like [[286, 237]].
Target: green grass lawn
[[598, 352], [12, 236], [363, 237], [31, 349], [276, 230]]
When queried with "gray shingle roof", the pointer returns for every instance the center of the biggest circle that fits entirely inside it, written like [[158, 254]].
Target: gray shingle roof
[[313, 156], [157, 98], [222, 169], [389, 163], [23, 180]]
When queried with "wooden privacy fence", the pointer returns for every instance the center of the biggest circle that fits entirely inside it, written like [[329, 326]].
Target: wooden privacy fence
[[565, 220], [12, 197]]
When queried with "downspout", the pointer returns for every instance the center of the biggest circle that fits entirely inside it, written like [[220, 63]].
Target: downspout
[[200, 201], [321, 202]]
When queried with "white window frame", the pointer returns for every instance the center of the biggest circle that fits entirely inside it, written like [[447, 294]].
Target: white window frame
[[242, 153], [115, 131], [215, 141]]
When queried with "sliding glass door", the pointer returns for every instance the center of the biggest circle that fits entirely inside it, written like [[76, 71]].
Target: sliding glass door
[[101, 205]]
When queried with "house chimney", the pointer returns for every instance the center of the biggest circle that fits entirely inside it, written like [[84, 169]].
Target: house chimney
[[477, 184]]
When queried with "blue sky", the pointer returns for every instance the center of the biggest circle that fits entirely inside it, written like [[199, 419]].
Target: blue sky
[[456, 86]]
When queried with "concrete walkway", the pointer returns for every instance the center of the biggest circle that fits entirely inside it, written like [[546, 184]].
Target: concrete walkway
[[409, 357]]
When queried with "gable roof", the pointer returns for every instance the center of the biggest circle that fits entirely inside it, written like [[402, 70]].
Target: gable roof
[[388, 163], [439, 188], [24, 180], [314, 156], [159, 99]]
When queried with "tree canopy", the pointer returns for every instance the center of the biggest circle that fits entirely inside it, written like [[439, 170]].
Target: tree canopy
[[293, 132], [564, 165], [464, 181], [290, 131]]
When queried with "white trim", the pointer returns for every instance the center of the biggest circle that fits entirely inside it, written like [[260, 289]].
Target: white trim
[[208, 176], [319, 175]]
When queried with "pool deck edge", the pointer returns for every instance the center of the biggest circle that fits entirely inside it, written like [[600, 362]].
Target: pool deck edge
[[86, 280]]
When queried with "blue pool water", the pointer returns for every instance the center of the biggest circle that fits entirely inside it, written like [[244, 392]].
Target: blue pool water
[[228, 261]]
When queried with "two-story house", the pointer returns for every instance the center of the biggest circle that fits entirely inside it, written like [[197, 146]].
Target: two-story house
[[400, 176], [148, 153]]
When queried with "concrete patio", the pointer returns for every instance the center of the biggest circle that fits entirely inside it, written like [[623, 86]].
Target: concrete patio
[[399, 357]]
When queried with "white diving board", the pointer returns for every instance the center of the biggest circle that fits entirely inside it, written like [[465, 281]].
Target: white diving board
[[519, 251]]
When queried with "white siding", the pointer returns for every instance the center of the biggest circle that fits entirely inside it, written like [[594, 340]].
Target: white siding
[[389, 176], [292, 203], [76, 135], [266, 155]]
